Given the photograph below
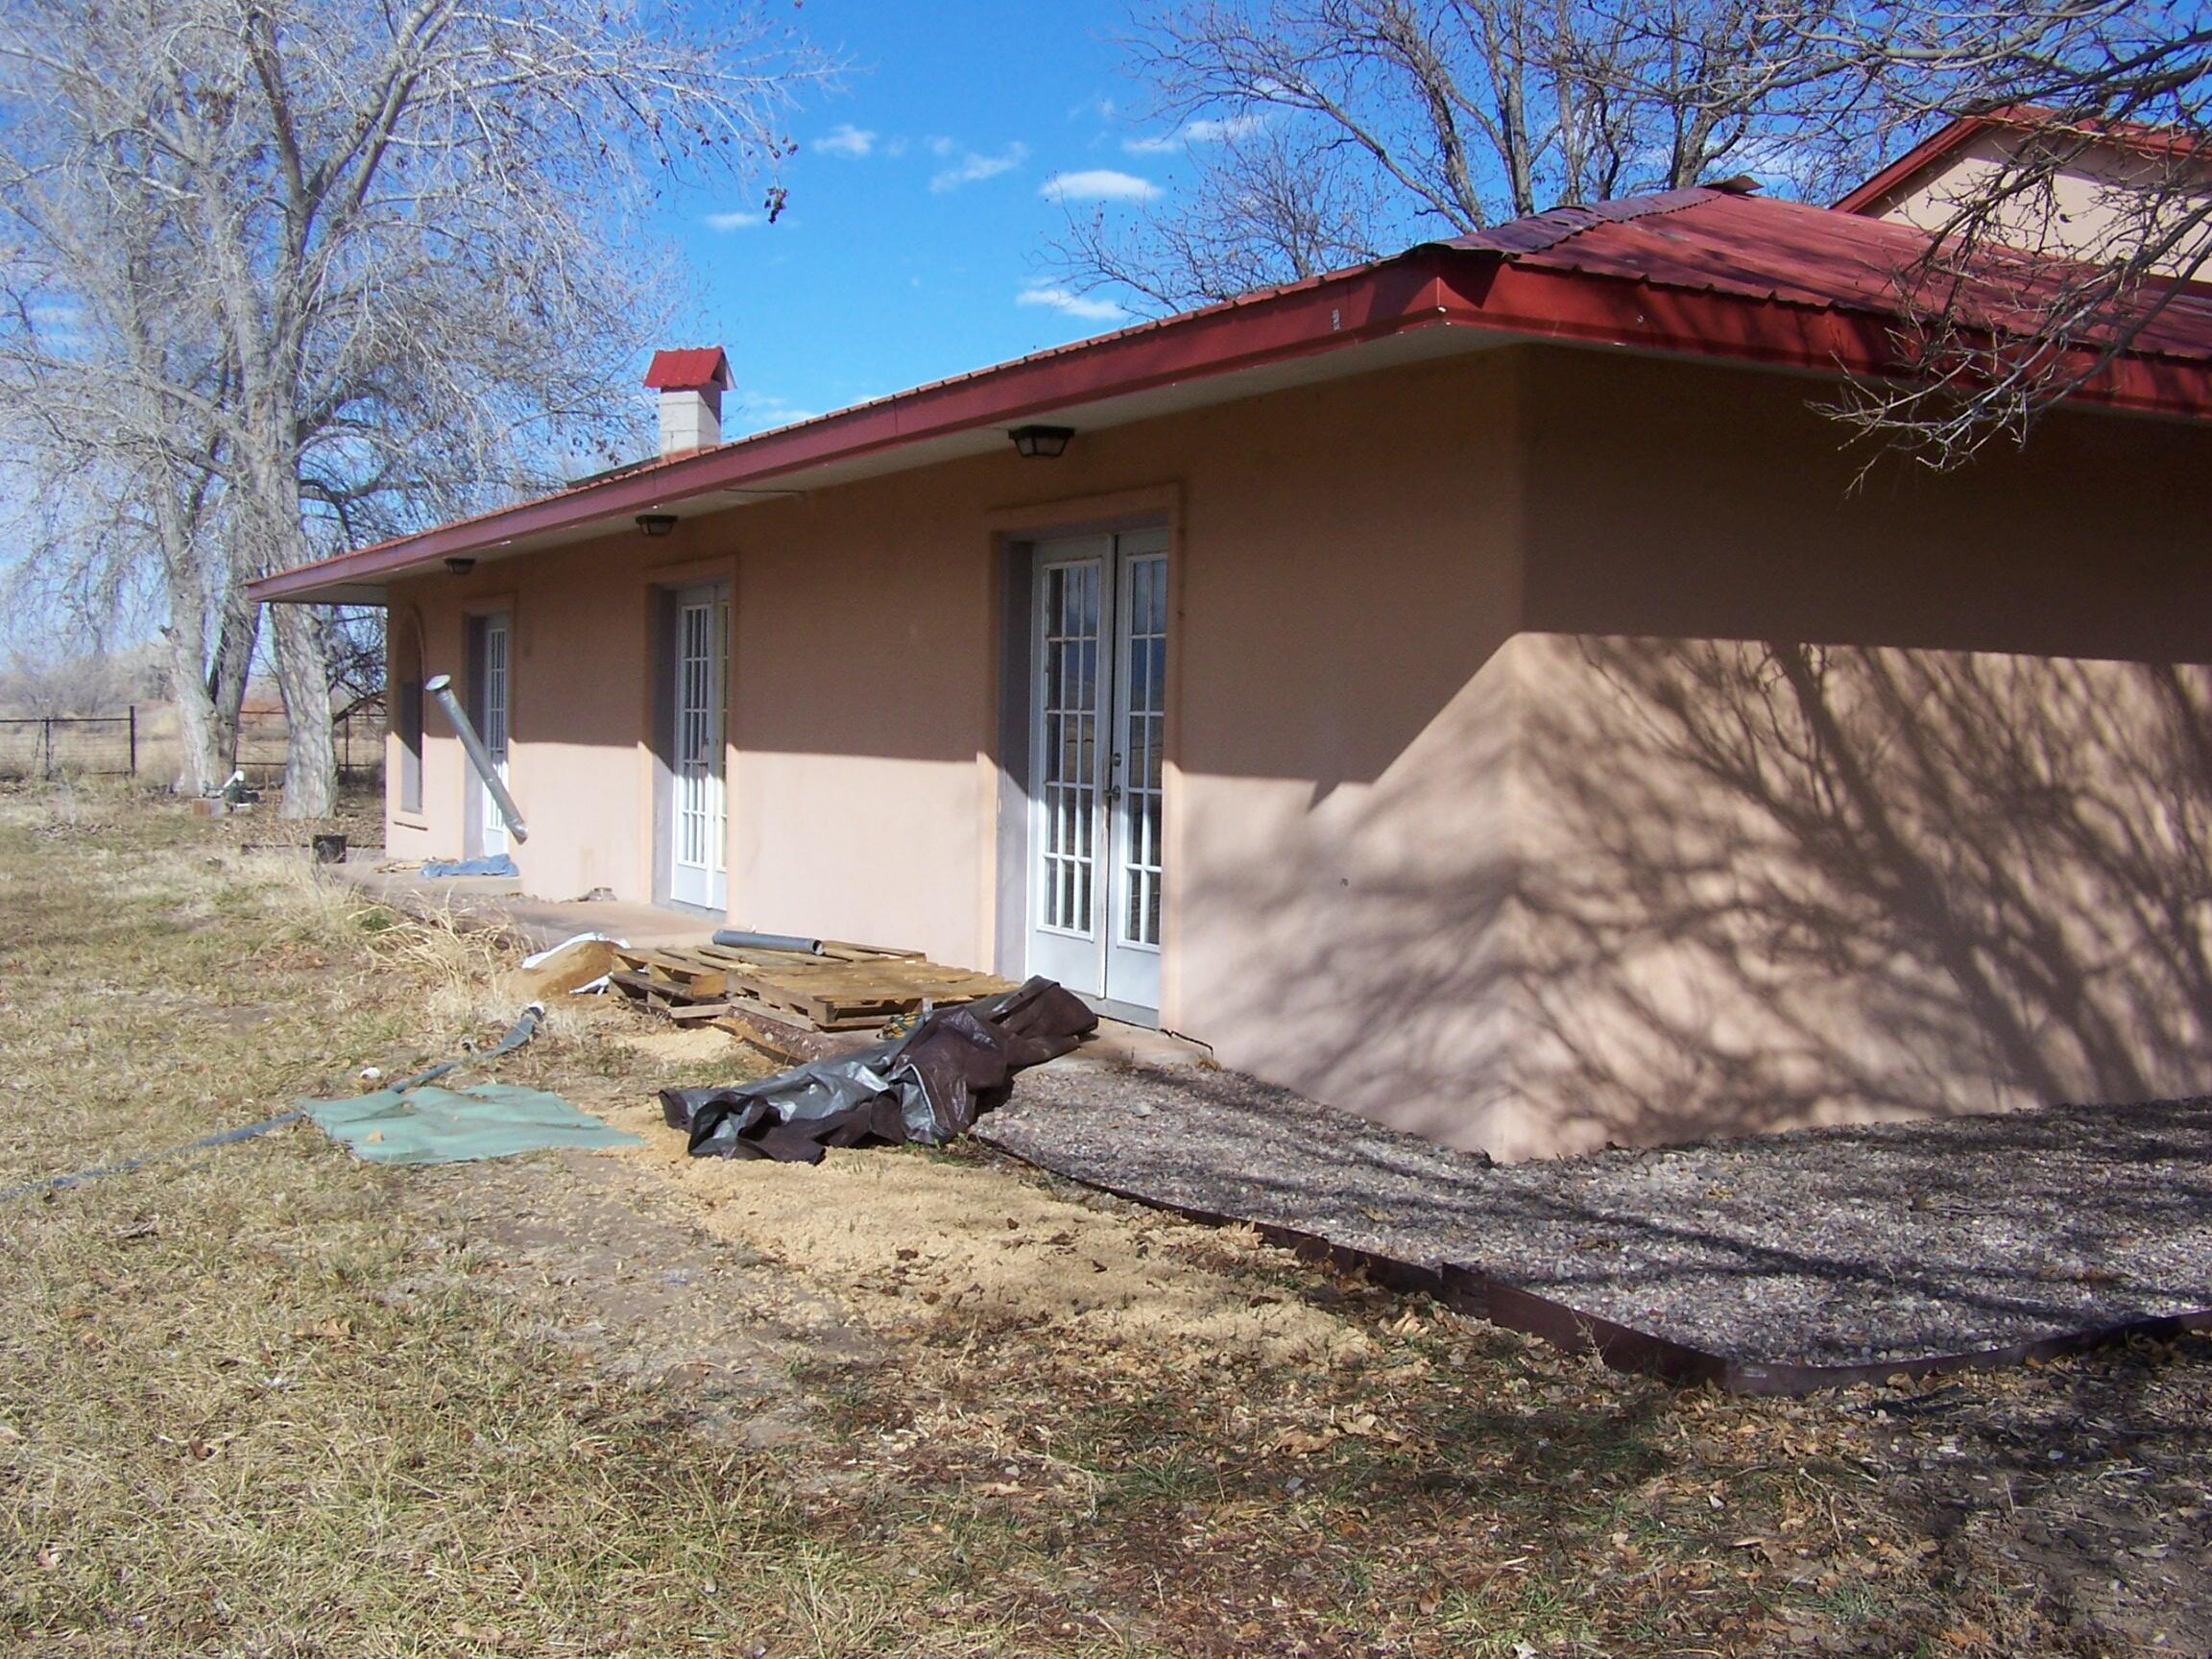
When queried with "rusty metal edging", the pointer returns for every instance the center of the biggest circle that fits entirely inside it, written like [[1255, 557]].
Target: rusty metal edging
[[1470, 1290]]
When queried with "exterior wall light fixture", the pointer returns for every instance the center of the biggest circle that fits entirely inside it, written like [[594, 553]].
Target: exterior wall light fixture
[[1042, 442], [656, 523], [458, 566]]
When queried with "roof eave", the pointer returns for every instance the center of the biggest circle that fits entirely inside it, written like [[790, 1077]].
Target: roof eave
[[1431, 287], [1324, 314]]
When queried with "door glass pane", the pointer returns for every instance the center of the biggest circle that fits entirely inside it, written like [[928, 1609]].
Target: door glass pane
[[1069, 750], [695, 740], [495, 727], [718, 739], [1145, 652]]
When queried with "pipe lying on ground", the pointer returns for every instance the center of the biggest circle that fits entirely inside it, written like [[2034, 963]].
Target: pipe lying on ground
[[742, 939], [520, 1032], [440, 687]]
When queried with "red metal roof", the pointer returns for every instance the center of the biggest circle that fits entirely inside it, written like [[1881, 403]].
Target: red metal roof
[[687, 369], [1786, 254], [1708, 272]]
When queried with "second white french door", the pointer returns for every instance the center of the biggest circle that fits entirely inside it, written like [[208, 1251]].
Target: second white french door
[[697, 859], [1099, 656]]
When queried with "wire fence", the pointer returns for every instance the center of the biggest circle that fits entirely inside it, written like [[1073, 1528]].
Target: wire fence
[[144, 742], [72, 745], [356, 739]]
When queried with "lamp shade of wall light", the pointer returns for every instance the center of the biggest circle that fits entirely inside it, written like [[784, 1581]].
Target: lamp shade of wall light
[[458, 566], [1043, 442], [656, 523]]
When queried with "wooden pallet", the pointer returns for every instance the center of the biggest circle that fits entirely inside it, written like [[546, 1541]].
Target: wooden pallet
[[847, 988]]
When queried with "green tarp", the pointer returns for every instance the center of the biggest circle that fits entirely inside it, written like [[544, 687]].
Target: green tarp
[[433, 1125]]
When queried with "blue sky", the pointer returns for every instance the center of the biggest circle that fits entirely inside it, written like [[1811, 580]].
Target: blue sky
[[921, 201]]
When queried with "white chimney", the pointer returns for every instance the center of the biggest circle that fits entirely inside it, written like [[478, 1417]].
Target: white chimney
[[690, 381]]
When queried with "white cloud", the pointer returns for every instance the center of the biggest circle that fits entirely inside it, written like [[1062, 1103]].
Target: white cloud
[[1098, 184], [738, 221], [1072, 303], [972, 167], [1206, 131], [1219, 132], [940, 145], [847, 140], [1098, 107], [761, 411]]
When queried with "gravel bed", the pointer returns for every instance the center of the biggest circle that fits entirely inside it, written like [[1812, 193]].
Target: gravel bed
[[1838, 1246]]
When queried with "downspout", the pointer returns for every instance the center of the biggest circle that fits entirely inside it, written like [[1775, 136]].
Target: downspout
[[440, 687]]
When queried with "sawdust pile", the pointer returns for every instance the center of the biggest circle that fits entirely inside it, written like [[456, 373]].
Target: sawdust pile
[[678, 1045], [917, 1246]]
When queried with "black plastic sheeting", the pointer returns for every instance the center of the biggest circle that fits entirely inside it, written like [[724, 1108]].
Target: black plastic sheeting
[[928, 1086]]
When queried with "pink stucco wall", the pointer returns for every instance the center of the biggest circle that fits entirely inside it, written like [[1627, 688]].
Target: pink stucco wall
[[1441, 831]]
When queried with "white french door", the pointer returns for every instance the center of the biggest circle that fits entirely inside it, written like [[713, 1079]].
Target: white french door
[[1098, 664], [697, 819], [494, 683]]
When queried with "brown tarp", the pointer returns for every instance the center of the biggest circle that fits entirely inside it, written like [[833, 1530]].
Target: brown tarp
[[927, 1085]]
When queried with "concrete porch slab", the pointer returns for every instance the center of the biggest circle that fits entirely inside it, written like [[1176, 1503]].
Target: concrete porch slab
[[498, 905], [1117, 1047]]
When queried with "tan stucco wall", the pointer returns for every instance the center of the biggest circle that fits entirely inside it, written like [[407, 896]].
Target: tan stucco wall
[[2100, 204], [864, 668], [1852, 803], [1439, 851], [578, 696]]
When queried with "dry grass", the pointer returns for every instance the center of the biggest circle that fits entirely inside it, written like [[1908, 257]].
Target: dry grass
[[266, 1401]]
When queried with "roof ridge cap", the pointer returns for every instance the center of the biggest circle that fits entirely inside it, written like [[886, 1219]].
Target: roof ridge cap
[[1539, 232]]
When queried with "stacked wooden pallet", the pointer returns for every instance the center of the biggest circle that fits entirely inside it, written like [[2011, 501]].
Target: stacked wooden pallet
[[845, 988]]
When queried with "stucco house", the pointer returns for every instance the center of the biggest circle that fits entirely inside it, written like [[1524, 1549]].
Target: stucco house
[[1478, 688]]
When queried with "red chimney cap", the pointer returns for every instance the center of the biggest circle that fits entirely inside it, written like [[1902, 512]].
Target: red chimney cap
[[688, 369]]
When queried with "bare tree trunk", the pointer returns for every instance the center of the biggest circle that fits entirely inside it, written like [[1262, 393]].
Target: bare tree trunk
[[238, 631], [199, 766], [303, 677]]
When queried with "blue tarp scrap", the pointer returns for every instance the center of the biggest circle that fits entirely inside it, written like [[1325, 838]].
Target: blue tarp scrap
[[429, 1124], [495, 864]]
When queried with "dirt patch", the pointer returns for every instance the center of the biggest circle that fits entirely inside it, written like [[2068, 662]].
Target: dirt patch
[[922, 1243], [1827, 1246], [2081, 1483], [607, 1261]]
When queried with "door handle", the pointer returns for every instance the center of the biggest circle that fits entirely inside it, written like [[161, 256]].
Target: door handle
[[1113, 778]]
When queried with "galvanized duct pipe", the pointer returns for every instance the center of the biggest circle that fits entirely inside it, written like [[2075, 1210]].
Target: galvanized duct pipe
[[440, 687], [745, 939]]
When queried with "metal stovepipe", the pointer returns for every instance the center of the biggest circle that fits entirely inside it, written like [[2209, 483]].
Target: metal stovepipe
[[440, 687]]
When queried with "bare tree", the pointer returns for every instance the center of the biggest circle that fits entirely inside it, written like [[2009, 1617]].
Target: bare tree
[[2048, 266], [1326, 130], [119, 464], [1267, 206], [333, 268]]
